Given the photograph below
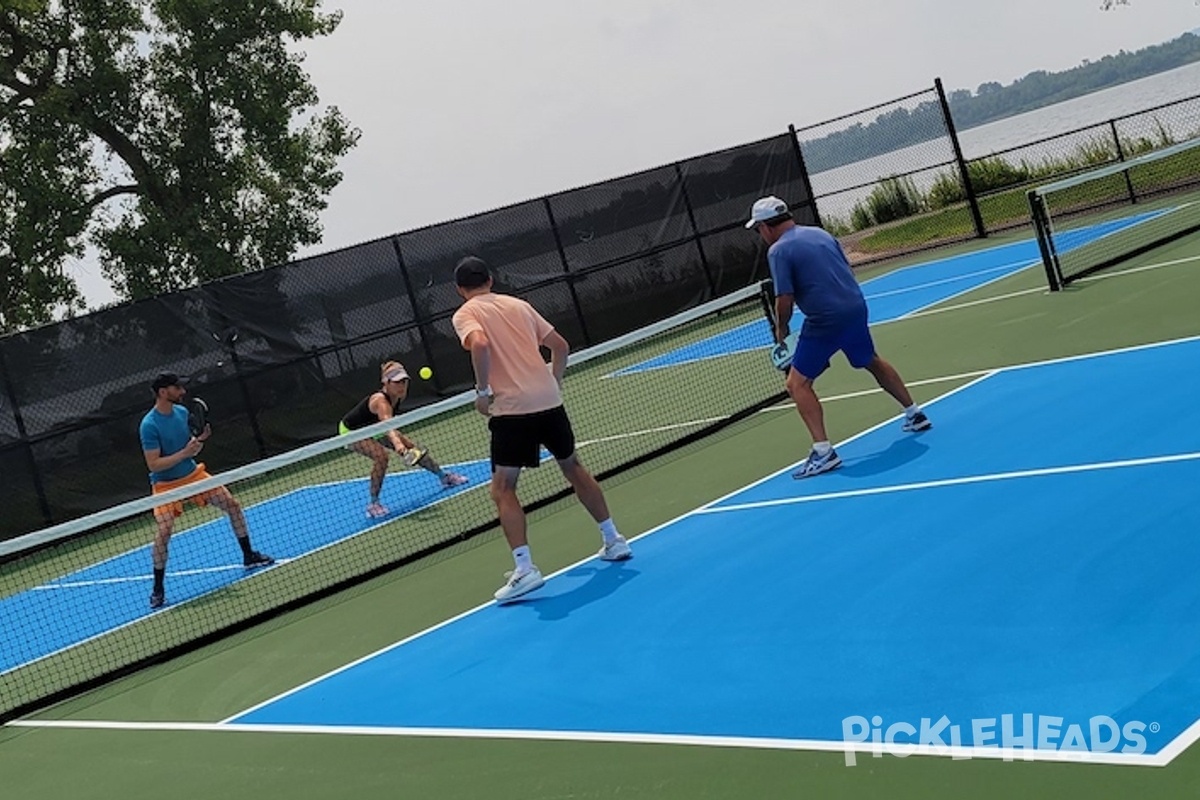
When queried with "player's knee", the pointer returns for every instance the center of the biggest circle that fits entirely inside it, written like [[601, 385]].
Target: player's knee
[[797, 383], [502, 492], [504, 484]]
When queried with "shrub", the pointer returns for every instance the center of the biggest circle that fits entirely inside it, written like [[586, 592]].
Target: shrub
[[947, 190], [894, 198]]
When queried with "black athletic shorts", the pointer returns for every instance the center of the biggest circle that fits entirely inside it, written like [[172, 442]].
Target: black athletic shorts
[[518, 438]]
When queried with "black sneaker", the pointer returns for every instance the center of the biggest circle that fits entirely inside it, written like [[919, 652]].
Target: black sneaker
[[917, 422], [158, 599], [255, 559]]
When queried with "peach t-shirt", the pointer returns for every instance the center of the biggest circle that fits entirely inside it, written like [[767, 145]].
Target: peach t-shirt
[[519, 377]]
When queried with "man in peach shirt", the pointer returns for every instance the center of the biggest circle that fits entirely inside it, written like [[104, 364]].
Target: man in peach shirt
[[522, 399]]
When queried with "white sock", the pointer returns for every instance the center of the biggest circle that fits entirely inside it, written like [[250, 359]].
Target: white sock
[[912, 410], [822, 447], [608, 529], [522, 558]]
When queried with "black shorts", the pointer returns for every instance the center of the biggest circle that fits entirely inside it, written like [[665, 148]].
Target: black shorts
[[517, 439]]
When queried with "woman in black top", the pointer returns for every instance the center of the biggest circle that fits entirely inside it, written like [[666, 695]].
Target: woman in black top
[[377, 407]]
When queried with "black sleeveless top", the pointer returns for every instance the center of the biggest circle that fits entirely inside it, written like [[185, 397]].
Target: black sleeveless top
[[361, 415]]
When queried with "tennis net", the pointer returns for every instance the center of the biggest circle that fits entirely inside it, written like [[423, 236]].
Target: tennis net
[[74, 599], [1103, 217]]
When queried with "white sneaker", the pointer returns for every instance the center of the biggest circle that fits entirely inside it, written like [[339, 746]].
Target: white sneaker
[[452, 479], [816, 464], [518, 584], [616, 550], [377, 511]]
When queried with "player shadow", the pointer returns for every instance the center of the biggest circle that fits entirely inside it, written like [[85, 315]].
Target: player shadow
[[897, 454], [605, 578]]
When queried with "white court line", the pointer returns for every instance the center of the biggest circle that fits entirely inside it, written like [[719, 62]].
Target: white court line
[[568, 568], [931, 308], [172, 606], [1011, 269], [140, 578], [964, 292], [1103, 276], [1172, 750], [1133, 270], [969, 479], [656, 529], [1162, 758], [694, 423], [957, 306], [200, 527], [889, 421]]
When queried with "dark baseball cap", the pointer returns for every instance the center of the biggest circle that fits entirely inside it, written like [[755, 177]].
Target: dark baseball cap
[[471, 273], [165, 379]]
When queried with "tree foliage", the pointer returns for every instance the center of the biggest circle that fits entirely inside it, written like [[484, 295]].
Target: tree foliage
[[181, 138]]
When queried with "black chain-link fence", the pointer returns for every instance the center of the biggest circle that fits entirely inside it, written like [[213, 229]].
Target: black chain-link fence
[[891, 180], [281, 354], [873, 173], [1001, 178]]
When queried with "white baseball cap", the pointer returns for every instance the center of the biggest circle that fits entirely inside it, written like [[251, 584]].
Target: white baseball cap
[[396, 374], [766, 208]]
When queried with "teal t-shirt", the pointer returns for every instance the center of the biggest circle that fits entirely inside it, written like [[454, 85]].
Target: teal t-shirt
[[168, 434]]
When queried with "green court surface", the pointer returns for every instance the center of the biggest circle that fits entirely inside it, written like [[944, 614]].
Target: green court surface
[[1012, 321]]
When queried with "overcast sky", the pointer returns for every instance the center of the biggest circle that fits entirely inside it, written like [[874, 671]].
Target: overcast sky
[[475, 104]]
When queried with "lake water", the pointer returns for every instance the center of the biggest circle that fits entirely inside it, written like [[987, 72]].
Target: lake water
[[1092, 109]]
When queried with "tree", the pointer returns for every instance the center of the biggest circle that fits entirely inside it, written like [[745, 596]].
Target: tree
[[181, 138]]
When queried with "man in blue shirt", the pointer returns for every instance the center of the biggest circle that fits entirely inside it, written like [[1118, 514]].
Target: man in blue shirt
[[810, 270], [170, 450]]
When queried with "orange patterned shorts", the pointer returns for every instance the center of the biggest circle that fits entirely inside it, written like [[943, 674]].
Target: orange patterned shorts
[[176, 509]]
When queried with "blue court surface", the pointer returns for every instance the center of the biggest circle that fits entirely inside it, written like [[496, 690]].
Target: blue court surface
[[898, 294], [1034, 553], [114, 593]]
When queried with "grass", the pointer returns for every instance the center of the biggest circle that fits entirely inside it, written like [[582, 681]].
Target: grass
[[1005, 209]]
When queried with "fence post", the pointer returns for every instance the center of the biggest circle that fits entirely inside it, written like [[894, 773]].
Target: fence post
[[812, 201], [230, 341], [568, 277], [1112, 124], [43, 502], [1041, 228], [687, 204], [972, 201], [412, 300]]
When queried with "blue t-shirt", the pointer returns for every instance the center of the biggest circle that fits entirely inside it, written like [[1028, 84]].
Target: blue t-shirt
[[808, 263], [168, 435]]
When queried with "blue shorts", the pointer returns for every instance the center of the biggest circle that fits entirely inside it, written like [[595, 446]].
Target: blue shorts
[[815, 348]]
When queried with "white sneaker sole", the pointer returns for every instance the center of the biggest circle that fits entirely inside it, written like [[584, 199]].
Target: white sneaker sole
[[524, 590], [621, 555]]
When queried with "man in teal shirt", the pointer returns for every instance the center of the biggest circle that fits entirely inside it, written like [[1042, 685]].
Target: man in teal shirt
[[170, 450]]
